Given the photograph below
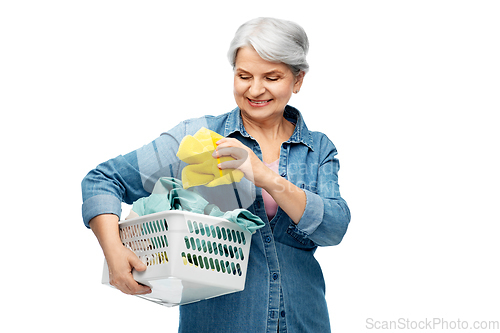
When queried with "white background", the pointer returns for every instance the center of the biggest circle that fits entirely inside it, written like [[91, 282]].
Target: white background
[[407, 90]]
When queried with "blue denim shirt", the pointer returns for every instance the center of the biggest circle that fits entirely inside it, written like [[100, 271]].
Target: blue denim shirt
[[285, 289]]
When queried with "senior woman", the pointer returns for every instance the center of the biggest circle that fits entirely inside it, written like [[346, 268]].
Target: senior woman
[[296, 192]]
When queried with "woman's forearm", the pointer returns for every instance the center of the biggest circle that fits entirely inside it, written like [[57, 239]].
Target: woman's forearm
[[290, 198], [121, 261], [105, 228]]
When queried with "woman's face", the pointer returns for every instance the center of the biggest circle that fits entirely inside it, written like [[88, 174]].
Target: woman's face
[[262, 89]]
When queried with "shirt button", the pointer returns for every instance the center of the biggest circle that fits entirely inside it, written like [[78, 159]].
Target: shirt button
[[283, 314], [268, 239], [283, 174], [275, 276]]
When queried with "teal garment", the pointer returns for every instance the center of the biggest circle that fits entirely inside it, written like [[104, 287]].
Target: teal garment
[[242, 217], [168, 194]]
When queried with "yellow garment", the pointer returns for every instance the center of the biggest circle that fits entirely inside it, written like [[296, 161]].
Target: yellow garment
[[196, 150]]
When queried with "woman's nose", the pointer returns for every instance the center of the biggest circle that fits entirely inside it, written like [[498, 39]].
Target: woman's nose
[[257, 88]]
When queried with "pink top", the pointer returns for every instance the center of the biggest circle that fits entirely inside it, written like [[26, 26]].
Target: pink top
[[269, 204]]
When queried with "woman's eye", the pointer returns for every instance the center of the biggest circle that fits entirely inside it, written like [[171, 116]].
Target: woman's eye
[[272, 78], [243, 77]]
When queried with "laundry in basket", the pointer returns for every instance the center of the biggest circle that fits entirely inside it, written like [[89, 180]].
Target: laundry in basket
[[169, 194]]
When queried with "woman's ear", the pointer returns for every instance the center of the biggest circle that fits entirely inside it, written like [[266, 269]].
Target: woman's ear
[[298, 81]]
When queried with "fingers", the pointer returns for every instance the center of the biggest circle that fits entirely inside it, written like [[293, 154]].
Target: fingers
[[135, 288], [229, 147], [233, 158], [245, 159], [126, 284], [234, 152], [137, 264], [120, 274], [231, 164], [232, 141]]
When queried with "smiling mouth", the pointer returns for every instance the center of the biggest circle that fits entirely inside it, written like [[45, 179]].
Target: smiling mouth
[[253, 101]]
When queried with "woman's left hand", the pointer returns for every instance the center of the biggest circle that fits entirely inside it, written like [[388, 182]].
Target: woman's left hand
[[288, 196], [245, 160]]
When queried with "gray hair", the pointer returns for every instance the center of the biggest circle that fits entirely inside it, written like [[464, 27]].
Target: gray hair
[[274, 40]]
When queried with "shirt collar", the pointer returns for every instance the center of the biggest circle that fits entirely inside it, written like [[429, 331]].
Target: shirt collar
[[301, 134]]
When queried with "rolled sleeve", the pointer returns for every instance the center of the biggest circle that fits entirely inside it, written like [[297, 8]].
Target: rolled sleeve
[[100, 204], [326, 216], [313, 214], [127, 178]]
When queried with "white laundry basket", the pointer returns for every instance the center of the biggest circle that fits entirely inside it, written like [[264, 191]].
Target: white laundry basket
[[189, 257]]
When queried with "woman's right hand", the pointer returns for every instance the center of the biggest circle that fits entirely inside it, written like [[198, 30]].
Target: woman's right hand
[[121, 261]]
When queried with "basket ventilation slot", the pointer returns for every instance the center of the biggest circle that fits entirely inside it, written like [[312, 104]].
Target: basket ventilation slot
[[216, 232], [209, 263]]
